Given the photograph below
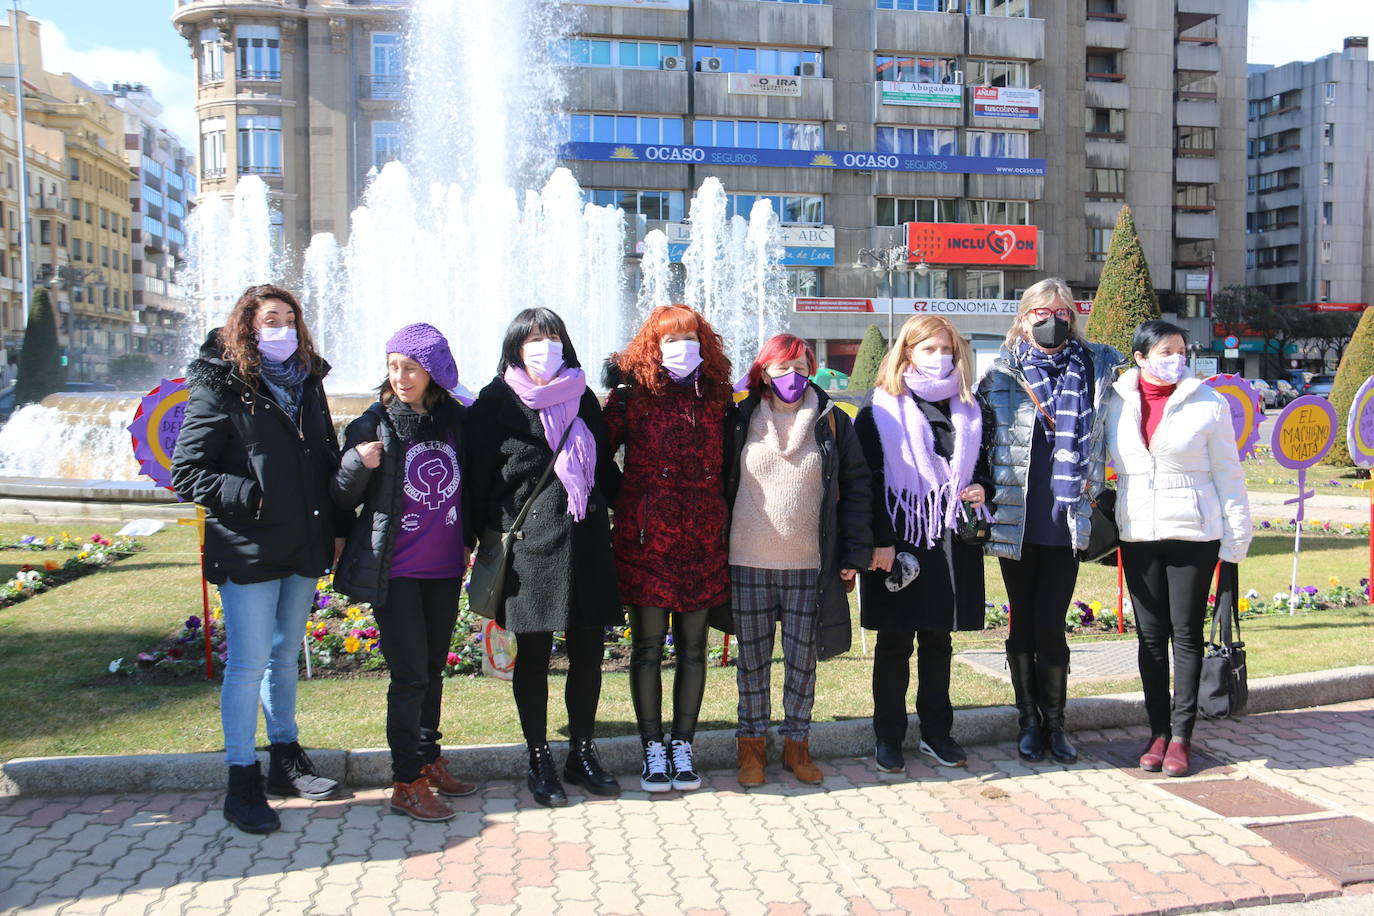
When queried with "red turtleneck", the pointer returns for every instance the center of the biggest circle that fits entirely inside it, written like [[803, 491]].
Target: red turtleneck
[[1152, 400]]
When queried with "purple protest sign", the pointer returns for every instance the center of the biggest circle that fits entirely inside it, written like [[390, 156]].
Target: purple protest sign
[[156, 425], [1245, 409], [1304, 432], [1359, 433]]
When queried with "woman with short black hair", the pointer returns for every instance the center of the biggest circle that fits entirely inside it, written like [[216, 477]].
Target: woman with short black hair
[[536, 412]]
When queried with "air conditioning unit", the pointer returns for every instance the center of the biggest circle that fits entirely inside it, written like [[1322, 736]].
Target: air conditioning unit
[[809, 68], [951, 6], [674, 62], [710, 65], [958, 77]]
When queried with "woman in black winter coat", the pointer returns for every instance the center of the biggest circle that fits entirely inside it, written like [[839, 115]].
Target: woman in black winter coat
[[257, 450], [561, 575], [922, 431], [408, 550]]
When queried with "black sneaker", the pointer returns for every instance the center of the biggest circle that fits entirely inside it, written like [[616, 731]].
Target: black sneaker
[[685, 776], [290, 772], [654, 777], [944, 751], [888, 756]]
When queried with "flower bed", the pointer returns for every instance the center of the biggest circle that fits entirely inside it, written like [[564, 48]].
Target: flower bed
[[90, 556]]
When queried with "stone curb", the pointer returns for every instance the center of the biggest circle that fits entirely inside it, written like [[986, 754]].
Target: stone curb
[[38, 776]]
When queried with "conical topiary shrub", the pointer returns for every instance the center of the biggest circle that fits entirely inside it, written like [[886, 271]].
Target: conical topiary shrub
[[1125, 294], [40, 362], [1357, 364], [870, 356]]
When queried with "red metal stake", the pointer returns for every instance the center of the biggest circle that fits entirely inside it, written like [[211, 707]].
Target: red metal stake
[[725, 654], [1369, 592], [1120, 595], [208, 623]]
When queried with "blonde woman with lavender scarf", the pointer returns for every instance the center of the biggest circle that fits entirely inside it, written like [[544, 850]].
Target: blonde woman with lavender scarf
[[921, 430]]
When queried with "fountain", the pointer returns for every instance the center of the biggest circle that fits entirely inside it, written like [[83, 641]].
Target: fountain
[[446, 236]]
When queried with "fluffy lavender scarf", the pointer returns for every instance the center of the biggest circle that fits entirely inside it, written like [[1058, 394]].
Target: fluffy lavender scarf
[[922, 486], [557, 404]]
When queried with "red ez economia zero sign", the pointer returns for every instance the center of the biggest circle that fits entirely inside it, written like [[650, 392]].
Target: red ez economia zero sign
[[962, 243]]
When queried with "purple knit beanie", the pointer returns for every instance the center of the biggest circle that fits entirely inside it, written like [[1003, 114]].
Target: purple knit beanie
[[424, 344]]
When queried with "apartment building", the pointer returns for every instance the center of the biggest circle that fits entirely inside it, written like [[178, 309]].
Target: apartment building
[[991, 142]]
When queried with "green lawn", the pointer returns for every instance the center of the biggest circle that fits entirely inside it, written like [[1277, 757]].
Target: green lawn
[[54, 648]]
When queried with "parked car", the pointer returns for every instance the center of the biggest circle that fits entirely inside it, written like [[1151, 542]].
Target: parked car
[[1320, 385], [1269, 396], [1286, 392]]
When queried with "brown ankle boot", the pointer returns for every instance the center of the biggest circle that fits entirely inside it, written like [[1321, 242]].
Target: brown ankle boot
[[796, 756], [444, 782], [752, 755], [416, 800]]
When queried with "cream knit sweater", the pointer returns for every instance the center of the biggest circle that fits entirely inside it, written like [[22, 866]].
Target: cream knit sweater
[[776, 521]]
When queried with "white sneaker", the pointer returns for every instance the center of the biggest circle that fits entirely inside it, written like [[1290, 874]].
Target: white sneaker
[[654, 777], [685, 777]]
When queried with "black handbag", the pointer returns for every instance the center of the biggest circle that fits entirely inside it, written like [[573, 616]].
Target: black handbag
[[1103, 536], [487, 581], [1223, 691], [973, 528]]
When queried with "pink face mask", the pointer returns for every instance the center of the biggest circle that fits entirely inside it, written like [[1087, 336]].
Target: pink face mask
[[789, 387], [681, 357]]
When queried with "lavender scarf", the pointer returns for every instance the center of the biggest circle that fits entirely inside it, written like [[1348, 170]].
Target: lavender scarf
[[557, 404], [922, 486]]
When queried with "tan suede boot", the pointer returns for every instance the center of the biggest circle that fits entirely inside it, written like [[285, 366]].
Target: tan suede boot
[[752, 755], [796, 756], [417, 800]]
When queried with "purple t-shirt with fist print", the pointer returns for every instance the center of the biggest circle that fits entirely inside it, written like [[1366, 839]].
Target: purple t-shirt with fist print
[[429, 541]]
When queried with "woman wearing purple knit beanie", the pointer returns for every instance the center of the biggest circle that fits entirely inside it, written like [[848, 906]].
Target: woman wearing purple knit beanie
[[403, 464]]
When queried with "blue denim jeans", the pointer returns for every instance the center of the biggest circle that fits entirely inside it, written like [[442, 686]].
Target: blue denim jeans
[[264, 623]]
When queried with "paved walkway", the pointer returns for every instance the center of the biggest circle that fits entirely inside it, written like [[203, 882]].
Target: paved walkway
[[997, 837]]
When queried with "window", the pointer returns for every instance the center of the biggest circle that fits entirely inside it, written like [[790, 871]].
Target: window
[[1103, 66], [1328, 134], [104, 256], [1018, 8], [894, 211], [803, 281], [926, 141], [387, 138], [1324, 290], [259, 145], [997, 212], [1105, 124], [606, 128], [657, 205], [275, 227], [388, 66], [1329, 94], [1328, 210], [1328, 173], [259, 48], [924, 6], [779, 61], [44, 232], [1003, 144], [915, 69], [1103, 9], [1012, 73], [90, 213], [1196, 197], [211, 57], [606, 52], [104, 218], [910, 284], [757, 134], [61, 235], [1195, 141], [983, 284], [1189, 84], [791, 209], [212, 148], [1099, 241]]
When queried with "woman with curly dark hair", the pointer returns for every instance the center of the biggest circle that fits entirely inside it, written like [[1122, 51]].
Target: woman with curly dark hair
[[671, 522], [257, 450]]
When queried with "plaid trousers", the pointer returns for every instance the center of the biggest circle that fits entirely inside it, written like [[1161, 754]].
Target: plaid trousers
[[759, 597]]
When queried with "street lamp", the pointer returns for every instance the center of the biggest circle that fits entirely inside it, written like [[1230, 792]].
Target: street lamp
[[890, 260]]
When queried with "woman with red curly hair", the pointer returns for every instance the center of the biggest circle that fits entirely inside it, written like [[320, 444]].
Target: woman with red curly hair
[[670, 396]]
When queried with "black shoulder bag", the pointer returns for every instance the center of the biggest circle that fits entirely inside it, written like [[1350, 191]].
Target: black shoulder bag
[[1223, 692]]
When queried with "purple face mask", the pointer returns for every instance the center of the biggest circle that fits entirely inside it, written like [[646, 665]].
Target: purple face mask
[[789, 387], [277, 344], [1168, 369]]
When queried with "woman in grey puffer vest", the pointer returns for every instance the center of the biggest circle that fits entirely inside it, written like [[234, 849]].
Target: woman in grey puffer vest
[[1046, 392]]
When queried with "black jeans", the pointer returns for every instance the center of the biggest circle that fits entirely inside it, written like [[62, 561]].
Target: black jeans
[[581, 692], [1168, 581], [649, 629], [892, 673], [416, 627], [1039, 589]]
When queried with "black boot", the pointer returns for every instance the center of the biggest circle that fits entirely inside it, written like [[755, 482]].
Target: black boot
[[543, 778], [1053, 685], [584, 769], [245, 805], [290, 772], [1030, 739]]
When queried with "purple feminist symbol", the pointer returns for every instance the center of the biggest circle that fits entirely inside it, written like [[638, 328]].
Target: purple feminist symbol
[[431, 473]]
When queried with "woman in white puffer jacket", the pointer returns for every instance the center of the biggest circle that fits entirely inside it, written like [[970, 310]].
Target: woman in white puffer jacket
[[1181, 505]]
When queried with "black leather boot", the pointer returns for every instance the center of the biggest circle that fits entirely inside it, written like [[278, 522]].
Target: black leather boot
[[584, 769], [245, 804], [1030, 738], [290, 772], [543, 778], [1053, 686]]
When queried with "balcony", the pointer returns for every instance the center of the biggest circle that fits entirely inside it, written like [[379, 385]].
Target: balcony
[[264, 170], [1196, 225], [1197, 171], [1107, 95], [1197, 113], [213, 174], [795, 25], [932, 33], [619, 89], [1191, 13], [1113, 36], [258, 76], [711, 97], [381, 87], [643, 23], [1009, 37], [1197, 56]]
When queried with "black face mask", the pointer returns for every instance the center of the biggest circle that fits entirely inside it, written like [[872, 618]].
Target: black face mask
[[1051, 333]]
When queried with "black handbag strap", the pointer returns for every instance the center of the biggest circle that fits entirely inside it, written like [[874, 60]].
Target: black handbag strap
[[543, 479], [1228, 589]]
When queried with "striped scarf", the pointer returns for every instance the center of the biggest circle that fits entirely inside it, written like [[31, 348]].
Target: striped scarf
[[1060, 382]]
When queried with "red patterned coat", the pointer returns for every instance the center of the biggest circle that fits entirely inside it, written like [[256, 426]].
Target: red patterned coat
[[671, 521]]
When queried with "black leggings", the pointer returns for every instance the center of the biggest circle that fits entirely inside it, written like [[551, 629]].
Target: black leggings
[[581, 693], [417, 627], [1169, 581], [892, 675], [649, 628], [1039, 589]]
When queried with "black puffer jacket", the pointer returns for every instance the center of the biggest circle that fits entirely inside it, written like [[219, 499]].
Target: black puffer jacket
[[262, 479], [846, 534], [365, 568]]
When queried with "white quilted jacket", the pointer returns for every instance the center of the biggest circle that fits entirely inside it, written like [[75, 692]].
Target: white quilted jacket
[[1188, 484]]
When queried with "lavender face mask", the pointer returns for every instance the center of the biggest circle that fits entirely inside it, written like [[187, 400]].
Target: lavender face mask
[[1168, 369], [789, 387]]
